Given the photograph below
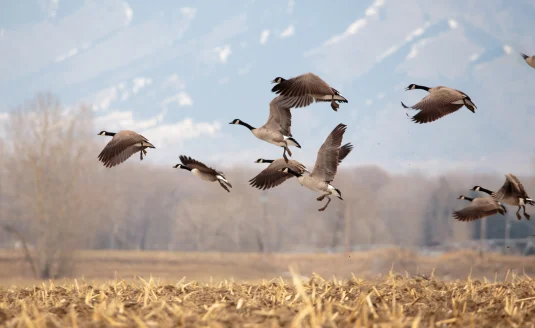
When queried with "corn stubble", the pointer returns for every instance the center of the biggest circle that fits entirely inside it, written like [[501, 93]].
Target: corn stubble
[[391, 301]]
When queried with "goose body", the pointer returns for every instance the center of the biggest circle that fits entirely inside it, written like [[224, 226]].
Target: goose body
[[530, 60], [124, 144], [440, 101], [303, 90], [511, 193], [277, 130], [203, 172], [330, 155], [271, 176], [479, 208]]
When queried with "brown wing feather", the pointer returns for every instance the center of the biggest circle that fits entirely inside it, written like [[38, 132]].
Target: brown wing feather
[[280, 117], [271, 176], [298, 90], [511, 187], [437, 104], [327, 159], [478, 209], [344, 151], [120, 148], [195, 164]]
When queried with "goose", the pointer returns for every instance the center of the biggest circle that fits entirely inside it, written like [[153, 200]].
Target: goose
[[326, 165], [479, 208], [271, 176], [202, 171], [302, 90], [529, 59], [276, 131], [124, 144], [440, 102], [511, 193]]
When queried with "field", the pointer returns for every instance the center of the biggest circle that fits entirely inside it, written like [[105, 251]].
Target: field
[[383, 288]]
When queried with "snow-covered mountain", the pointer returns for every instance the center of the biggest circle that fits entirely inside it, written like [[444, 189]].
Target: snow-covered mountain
[[180, 72]]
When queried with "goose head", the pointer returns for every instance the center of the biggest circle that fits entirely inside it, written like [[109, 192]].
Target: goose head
[[278, 80], [106, 133], [410, 87]]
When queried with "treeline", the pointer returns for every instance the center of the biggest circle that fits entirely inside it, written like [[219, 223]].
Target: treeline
[[56, 197]]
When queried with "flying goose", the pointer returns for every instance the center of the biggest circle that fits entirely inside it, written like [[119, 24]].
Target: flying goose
[[271, 176], [124, 144], [479, 208], [511, 193], [202, 171], [529, 59], [302, 90], [440, 102], [326, 165], [276, 131]]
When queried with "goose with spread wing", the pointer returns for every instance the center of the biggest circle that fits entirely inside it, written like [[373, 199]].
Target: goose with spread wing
[[511, 193], [277, 130], [303, 90], [203, 172], [440, 101], [325, 168], [124, 144]]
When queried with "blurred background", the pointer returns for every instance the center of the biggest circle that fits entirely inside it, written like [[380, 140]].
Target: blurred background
[[178, 72]]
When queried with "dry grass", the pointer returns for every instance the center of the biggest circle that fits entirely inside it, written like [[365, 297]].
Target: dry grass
[[391, 301], [253, 267]]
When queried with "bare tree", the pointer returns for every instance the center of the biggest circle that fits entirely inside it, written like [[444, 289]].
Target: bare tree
[[47, 144]]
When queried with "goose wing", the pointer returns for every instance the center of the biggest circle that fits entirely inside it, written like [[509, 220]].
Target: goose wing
[[437, 104], [271, 176], [344, 151], [511, 187], [328, 155], [195, 164], [478, 209], [120, 148], [280, 117], [298, 90]]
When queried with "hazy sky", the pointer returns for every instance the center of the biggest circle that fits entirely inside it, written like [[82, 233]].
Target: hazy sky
[[179, 71]]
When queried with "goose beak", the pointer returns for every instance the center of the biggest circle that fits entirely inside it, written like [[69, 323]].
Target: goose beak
[[407, 89], [273, 81]]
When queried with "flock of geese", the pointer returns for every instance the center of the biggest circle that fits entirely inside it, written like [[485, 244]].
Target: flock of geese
[[302, 91]]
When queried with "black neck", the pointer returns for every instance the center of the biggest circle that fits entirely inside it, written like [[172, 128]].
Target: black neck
[[293, 172], [184, 167], [247, 125], [421, 87], [485, 190], [267, 161], [109, 134], [468, 199]]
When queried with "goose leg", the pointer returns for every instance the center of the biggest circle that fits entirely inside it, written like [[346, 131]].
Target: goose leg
[[324, 207], [288, 150], [141, 156], [320, 198], [144, 152], [334, 105], [526, 214], [284, 155], [518, 214]]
